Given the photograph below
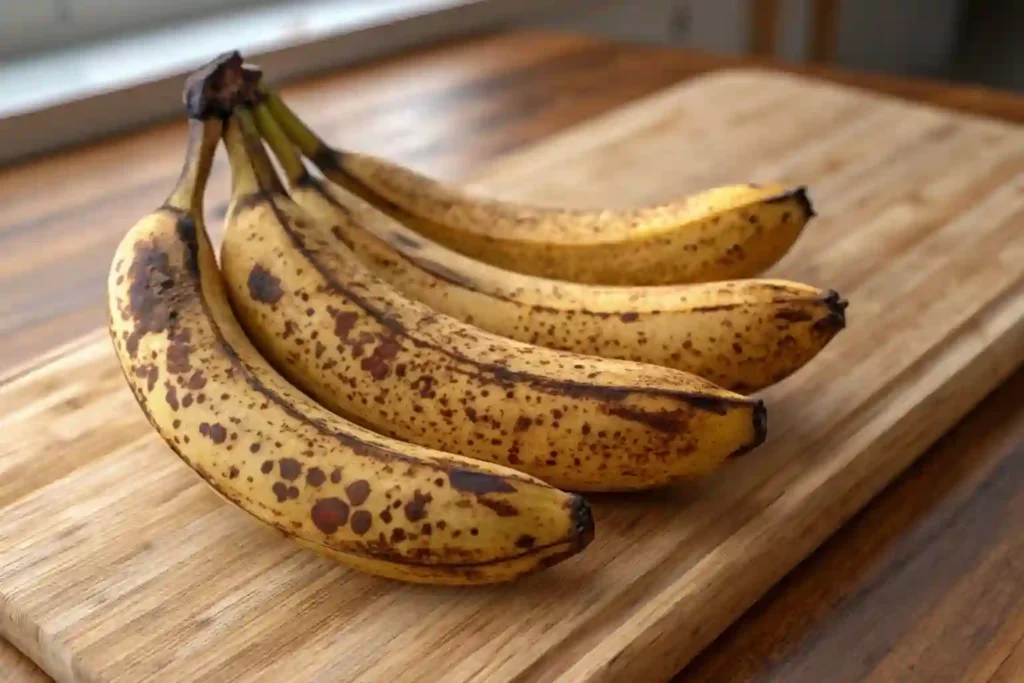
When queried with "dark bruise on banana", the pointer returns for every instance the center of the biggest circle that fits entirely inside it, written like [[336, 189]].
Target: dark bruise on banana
[[383, 506], [367, 352]]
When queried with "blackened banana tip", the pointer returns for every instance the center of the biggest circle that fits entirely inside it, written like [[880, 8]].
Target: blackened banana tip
[[582, 521], [760, 424], [800, 195], [759, 420], [836, 318]]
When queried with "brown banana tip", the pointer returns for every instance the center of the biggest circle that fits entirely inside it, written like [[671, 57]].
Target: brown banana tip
[[220, 85], [800, 195], [582, 522], [835, 303], [759, 420], [836, 318]]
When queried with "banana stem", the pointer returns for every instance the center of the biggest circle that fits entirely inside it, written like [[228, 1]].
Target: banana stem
[[280, 145], [266, 174], [203, 137], [243, 177], [248, 146], [308, 142]]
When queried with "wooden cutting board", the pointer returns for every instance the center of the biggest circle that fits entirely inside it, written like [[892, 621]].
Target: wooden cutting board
[[117, 563]]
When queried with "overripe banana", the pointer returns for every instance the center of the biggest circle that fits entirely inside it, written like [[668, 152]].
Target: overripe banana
[[742, 335], [725, 233], [382, 506], [367, 352]]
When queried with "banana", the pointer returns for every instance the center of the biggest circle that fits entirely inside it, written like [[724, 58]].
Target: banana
[[724, 233], [367, 352], [742, 335], [381, 506]]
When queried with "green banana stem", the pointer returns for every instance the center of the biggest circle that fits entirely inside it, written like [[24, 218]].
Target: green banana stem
[[243, 178], [243, 141], [203, 137], [308, 142], [280, 144], [328, 160]]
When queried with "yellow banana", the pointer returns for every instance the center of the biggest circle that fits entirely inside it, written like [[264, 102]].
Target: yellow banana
[[725, 233], [379, 505], [742, 335], [367, 352]]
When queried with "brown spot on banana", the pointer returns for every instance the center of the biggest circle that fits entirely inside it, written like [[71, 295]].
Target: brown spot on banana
[[150, 372], [416, 509], [216, 432], [358, 491], [285, 492], [501, 507], [525, 541], [329, 514], [793, 315], [361, 522], [315, 477], [179, 352], [477, 483], [344, 321], [264, 286], [148, 306], [378, 364], [290, 468]]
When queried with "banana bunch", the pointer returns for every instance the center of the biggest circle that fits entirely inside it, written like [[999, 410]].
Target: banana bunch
[[742, 335], [728, 232], [365, 370]]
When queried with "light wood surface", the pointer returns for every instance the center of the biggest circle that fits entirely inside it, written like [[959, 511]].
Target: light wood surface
[[119, 564], [923, 585]]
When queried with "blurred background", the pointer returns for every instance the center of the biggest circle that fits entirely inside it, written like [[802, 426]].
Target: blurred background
[[57, 52]]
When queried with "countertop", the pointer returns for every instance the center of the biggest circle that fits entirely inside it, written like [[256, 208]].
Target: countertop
[[924, 584]]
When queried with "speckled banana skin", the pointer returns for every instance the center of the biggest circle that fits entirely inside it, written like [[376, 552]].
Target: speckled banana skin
[[382, 506], [364, 350], [742, 334], [724, 233]]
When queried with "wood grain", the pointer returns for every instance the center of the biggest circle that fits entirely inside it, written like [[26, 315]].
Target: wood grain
[[17, 668], [920, 586], [900, 187]]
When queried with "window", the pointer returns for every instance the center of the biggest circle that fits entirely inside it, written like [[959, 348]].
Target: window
[[28, 26], [74, 70]]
